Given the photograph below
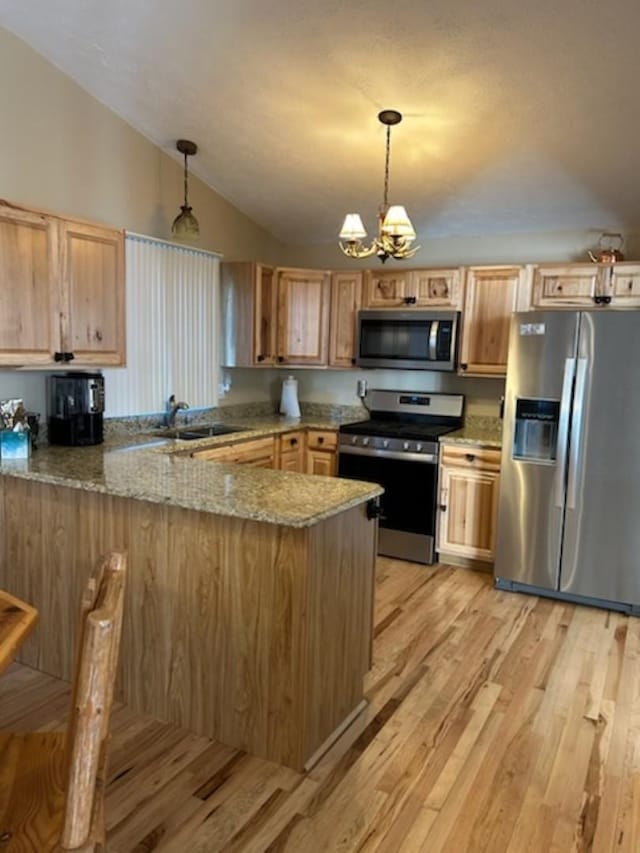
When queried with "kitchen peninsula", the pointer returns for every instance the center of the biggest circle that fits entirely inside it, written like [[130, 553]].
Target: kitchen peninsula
[[248, 615]]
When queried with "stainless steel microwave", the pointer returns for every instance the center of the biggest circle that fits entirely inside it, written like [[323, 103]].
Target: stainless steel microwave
[[414, 340]]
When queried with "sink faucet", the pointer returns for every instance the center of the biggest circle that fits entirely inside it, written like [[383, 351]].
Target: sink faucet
[[172, 410]]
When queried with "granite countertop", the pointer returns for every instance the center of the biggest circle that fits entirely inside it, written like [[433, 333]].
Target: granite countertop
[[477, 430], [151, 468]]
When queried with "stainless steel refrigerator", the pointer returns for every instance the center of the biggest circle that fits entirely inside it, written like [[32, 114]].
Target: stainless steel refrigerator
[[569, 507]]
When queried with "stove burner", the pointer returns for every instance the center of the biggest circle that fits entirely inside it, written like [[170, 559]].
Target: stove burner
[[397, 429]]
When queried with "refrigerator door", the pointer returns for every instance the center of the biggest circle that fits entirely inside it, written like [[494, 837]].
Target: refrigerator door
[[600, 557], [542, 350]]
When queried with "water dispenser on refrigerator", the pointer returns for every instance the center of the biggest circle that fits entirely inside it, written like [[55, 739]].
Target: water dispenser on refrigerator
[[535, 436]]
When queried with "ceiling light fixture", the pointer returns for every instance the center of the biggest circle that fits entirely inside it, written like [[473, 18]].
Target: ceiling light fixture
[[395, 231], [185, 225]]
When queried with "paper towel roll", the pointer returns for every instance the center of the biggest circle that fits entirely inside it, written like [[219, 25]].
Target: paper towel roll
[[289, 406]]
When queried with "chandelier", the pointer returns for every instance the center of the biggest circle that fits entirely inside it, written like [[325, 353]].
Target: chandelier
[[395, 231], [185, 225]]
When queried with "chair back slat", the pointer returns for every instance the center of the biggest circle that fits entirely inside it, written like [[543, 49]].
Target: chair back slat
[[96, 664]]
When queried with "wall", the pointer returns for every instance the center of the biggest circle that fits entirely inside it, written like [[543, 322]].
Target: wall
[[62, 150]]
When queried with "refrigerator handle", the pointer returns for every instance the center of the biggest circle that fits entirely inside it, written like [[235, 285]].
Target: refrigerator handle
[[576, 431], [563, 430]]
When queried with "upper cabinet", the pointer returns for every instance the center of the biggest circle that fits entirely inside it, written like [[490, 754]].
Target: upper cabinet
[[346, 301], [303, 316], [273, 316], [435, 288], [586, 285], [61, 291], [491, 296]]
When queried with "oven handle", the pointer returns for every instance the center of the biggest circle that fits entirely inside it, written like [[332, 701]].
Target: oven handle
[[430, 458]]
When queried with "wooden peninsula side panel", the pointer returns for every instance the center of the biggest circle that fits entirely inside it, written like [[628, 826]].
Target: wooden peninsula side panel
[[255, 634]]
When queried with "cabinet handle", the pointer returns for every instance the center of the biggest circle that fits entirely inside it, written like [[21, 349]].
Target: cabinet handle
[[470, 457], [464, 365]]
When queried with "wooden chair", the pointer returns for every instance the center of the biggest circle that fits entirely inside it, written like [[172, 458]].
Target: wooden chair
[[52, 786]]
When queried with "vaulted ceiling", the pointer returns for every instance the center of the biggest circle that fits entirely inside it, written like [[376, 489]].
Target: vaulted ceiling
[[518, 116]]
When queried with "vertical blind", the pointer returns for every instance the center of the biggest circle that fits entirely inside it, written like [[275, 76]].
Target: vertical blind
[[172, 339]]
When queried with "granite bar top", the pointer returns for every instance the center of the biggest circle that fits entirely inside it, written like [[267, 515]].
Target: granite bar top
[[151, 468], [478, 430]]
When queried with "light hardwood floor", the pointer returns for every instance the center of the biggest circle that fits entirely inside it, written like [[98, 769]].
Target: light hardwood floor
[[497, 722]]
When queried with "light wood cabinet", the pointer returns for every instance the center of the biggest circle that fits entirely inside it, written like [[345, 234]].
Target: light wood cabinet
[[435, 288], [61, 291], [291, 452], [303, 316], [259, 453], [491, 295], [346, 301], [273, 316], [467, 515], [586, 286], [322, 452], [248, 308]]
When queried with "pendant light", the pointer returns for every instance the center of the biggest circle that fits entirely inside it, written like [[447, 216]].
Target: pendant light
[[395, 231], [185, 225]]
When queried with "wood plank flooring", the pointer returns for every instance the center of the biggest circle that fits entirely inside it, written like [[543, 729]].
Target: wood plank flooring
[[496, 722]]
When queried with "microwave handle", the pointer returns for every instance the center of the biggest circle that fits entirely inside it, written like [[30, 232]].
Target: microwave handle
[[433, 340]]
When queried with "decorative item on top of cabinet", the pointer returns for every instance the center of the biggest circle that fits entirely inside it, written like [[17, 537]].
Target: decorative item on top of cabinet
[[61, 291], [322, 447], [491, 296], [467, 512], [346, 301], [303, 316], [248, 304], [432, 288], [587, 285]]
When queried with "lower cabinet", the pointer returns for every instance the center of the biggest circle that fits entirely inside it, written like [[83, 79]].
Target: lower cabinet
[[291, 452], [468, 507], [322, 447], [259, 453], [310, 451]]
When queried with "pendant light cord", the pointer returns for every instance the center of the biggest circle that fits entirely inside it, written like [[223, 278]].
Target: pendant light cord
[[386, 169], [186, 183]]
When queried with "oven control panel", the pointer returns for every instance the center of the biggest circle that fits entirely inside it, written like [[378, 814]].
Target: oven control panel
[[393, 445]]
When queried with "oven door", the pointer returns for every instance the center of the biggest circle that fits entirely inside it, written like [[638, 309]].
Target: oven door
[[408, 505]]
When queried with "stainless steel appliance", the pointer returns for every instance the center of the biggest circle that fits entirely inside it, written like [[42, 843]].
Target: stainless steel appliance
[[398, 448], [75, 408], [414, 340], [570, 490]]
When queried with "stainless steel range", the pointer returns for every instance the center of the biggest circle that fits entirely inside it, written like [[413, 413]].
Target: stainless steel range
[[398, 448]]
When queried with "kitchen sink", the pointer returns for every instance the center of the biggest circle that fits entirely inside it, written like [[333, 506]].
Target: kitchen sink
[[196, 432]]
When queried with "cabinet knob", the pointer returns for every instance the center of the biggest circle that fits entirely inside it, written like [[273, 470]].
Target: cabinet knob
[[58, 356], [464, 365], [293, 442], [410, 300], [69, 356], [280, 359], [443, 507], [353, 361], [470, 457], [259, 358], [320, 439]]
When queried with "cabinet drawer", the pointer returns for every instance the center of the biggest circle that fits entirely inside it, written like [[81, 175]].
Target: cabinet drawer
[[291, 441], [318, 439], [473, 458], [258, 452]]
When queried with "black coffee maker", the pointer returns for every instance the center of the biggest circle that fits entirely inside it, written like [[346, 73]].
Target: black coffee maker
[[75, 408]]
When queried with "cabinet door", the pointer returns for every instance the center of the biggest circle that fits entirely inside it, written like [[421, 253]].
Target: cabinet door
[[490, 300], [567, 286], [93, 290], [437, 288], [291, 456], [386, 289], [624, 285], [321, 462], [29, 309], [346, 301], [468, 512], [303, 313], [266, 306]]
